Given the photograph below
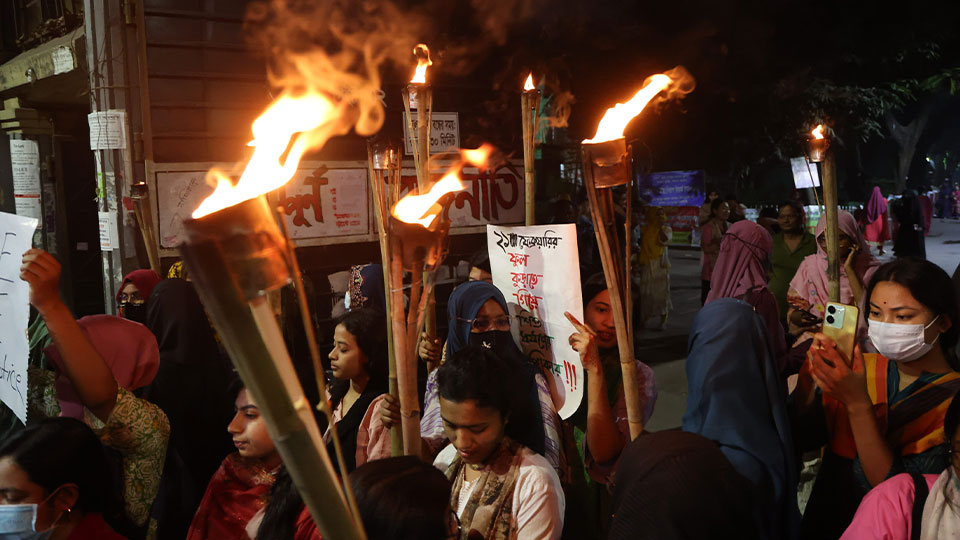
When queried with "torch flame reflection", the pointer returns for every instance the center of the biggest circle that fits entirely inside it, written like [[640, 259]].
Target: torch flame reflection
[[528, 84], [423, 209], [817, 132], [422, 52], [288, 122]]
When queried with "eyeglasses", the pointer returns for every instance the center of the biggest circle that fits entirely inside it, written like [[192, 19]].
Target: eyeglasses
[[483, 324], [132, 298], [454, 518]]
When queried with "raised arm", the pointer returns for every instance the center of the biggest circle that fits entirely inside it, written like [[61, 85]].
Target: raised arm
[[604, 439], [83, 365]]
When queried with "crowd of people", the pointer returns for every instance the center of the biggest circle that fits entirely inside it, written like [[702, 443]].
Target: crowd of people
[[139, 427]]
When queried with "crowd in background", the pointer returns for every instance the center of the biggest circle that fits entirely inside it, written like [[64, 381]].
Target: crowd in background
[[139, 427]]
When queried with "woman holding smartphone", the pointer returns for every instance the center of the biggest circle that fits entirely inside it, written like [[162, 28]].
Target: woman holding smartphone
[[881, 414]]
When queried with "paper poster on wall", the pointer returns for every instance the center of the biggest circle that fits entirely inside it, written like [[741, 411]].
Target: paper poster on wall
[[179, 193], [109, 234], [25, 163], [16, 234], [538, 271], [321, 202], [444, 132], [107, 130], [805, 174]]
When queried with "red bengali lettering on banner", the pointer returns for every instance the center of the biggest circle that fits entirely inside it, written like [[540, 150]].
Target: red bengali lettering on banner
[[527, 300], [296, 204], [519, 259]]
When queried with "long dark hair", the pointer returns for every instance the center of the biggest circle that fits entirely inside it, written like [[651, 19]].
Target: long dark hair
[[58, 451], [951, 422], [368, 327], [478, 374], [933, 288], [402, 498]]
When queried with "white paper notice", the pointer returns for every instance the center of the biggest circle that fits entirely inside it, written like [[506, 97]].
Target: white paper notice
[[107, 130], [25, 162], [538, 271], [62, 60], [17, 234], [109, 234], [444, 132]]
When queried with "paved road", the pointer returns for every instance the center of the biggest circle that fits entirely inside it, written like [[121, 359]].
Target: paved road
[[666, 351]]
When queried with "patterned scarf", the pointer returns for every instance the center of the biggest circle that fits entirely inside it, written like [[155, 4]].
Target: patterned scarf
[[489, 511]]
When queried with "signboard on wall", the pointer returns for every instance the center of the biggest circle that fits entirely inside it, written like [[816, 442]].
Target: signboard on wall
[[329, 200], [444, 132]]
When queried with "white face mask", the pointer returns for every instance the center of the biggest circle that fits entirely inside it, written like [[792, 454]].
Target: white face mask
[[901, 342], [19, 522]]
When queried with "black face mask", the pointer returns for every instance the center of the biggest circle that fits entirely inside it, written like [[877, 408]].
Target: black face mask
[[500, 341], [135, 312]]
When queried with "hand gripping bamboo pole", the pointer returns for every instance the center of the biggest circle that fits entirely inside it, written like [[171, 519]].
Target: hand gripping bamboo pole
[[235, 256], [385, 168]]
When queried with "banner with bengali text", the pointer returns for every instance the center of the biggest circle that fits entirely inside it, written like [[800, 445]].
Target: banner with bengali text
[[538, 271]]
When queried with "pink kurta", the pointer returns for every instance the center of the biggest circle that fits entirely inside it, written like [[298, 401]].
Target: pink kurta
[[878, 231], [887, 511]]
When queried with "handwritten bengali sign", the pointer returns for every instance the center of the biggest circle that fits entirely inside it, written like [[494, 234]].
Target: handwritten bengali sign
[[538, 271], [17, 236]]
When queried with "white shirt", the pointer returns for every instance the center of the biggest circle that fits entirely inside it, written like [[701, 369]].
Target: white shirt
[[537, 498]]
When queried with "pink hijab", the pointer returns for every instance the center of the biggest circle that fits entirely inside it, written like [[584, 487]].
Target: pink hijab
[[739, 267], [128, 348], [811, 278], [876, 206]]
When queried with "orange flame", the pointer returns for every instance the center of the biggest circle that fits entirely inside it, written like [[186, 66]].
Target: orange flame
[[273, 132], [423, 61], [528, 84], [478, 157], [617, 117], [423, 209], [817, 132], [674, 83]]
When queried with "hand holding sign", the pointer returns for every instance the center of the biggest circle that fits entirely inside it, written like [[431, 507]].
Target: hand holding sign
[[16, 235], [42, 272]]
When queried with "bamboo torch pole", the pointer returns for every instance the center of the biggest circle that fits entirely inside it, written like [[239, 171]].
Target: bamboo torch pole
[[606, 164], [385, 169], [235, 256], [140, 195], [831, 210], [529, 106]]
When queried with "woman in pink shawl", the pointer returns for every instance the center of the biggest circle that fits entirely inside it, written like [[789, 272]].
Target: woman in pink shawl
[[877, 221], [741, 272], [807, 295]]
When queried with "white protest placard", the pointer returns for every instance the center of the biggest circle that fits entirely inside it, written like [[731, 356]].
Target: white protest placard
[[538, 271], [107, 129], [109, 233], [16, 235], [444, 132]]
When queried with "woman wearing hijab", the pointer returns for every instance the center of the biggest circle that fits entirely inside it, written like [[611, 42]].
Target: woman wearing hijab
[[477, 313], [134, 292], [101, 360], [876, 228], [808, 293], [653, 264], [737, 399], [191, 387], [909, 226], [667, 477], [365, 289], [741, 273]]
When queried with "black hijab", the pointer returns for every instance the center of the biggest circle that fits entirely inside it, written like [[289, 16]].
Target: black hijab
[[191, 387]]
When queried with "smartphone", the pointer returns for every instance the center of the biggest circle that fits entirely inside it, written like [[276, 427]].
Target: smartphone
[[840, 324]]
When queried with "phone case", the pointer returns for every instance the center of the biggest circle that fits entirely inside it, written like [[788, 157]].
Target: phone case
[[840, 324]]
